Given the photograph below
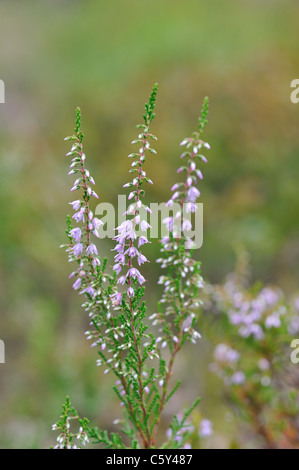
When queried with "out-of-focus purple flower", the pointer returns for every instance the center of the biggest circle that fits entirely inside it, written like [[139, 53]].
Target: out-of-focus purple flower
[[272, 321], [187, 445], [224, 353], [264, 364], [269, 295], [238, 378], [205, 428], [296, 303]]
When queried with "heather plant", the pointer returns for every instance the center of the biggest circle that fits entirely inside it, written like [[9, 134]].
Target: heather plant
[[137, 346], [253, 357]]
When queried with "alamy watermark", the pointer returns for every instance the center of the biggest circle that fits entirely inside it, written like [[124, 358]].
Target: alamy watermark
[[2, 352], [295, 94], [182, 221], [2, 91], [295, 354]]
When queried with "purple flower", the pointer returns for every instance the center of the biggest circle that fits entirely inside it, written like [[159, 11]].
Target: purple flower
[[206, 428], [141, 279], [144, 225], [130, 292], [77, 283], [199, 174], [133, 272], [96, 224], [120, 258], [119, 248], [264, 364], [78, 249], [116, 299], [190, 207], [96, 262], [76, 205], [142, 240], [79, 215], [186, 225], [169, 203], [224, 353], [131, 252], [187, 323], [89, 290], [187, 446], [168, 221], [272, 321], [121, 280], [193, 194], [76, 234], [238, 378], [117, 268], [92, 250], [141, 259]]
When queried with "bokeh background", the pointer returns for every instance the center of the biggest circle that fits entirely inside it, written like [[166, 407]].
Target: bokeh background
[[105, 57]]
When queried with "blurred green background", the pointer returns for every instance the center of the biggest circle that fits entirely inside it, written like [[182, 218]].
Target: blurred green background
[[105, 57]]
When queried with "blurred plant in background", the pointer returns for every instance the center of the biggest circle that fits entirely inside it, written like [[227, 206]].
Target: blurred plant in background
[[253, 359]]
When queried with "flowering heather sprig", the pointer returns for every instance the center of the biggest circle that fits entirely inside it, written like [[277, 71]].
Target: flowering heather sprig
[[130, 236], [117, 314], [81, 248], [90, 277], [67, 437], [183, 280]]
